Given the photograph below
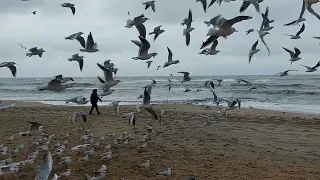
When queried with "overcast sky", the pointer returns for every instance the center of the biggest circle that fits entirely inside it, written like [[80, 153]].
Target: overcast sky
[[106, 21]]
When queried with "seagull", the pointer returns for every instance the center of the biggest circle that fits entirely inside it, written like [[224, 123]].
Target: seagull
[[131, 117], [248, 83], [34, 129], [215, 98], [186, 77], [71, 6], [312, 69], [232, 104], [297, 36], [78, 100], [74, 36], [157, 31], [213, 50], [266, 22], [224, 30], [166, 172], [108, 78], [262, 32], [77, 58], [210, 82], [146, 164], [54, 85], [90, 45], [187, 31], [294, 56], [149, 64], [170, 61], [45, 168], [11, 66], [115, 105], [148, 4], [300, 19], [77, 116], [309, 3], [63, 79], [246, 4], [158, 67], [285, 73], [253, 50], [143, 50], [204, 4], [146, 103], [34, 12], [128, 13], [249, 31], [35, 51], [22, 46], [101, 176]]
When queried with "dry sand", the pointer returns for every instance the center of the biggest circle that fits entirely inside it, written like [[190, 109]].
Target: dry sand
[[247, 144]]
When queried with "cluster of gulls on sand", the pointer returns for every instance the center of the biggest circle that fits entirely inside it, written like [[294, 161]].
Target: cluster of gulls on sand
[[221, 27]]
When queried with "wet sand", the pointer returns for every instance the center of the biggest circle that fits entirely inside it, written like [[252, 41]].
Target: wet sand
[[246, 144]]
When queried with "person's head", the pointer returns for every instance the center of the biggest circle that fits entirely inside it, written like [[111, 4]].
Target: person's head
[[94, 91]]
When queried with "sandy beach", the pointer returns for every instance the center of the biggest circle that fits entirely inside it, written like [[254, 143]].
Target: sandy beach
[[247, 144]]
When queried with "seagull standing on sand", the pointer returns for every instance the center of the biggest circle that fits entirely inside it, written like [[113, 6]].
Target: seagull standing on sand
[[45, 168], [35, 51], [285, 73], [253, 50], [186, 77], [148, 4], [143, 50], [300, 19], [77, 58], [297, 36], [90, 45], [71, 6], [224, 30], [187, 31], [11, 66], [294, 56], [170, 61], [166, 172], [312, 69], [157, 31]]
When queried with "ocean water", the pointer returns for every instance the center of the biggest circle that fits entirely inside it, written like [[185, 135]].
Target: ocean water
[[291, 93]]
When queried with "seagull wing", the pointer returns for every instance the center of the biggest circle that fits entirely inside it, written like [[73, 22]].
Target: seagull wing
[[138, 43], [142, 30], [289, 51], [153, 6], [107, 73], [297, 52], [244, 6], [81, 40], [146, 97], [262, 39], [306, 66], [303, 9], [80, 61], [214, 44], [145, 46], [208, 41], [301, 30], [204, 5], [254, 46], [189, 20], [73, 9], [185, 74], [169, 55], [290, 23], [211, 3], [90, 42], [33, 50], [215, 97], [316, 66], [187, 39], [312, 11], [13, 70], [152, 112], [228, 24], [101, 80], [34, 126]]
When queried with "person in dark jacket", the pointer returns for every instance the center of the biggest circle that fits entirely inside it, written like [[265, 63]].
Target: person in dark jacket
[[94, 101]]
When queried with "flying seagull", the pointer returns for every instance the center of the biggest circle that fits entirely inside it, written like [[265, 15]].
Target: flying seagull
[[77, 58], [35, 128], [148, 64], [294, 56], [131, 117], [262, 33], [312, 69], [253, 50], [90, 45], [249, 31], [170, 61], [11, 66], [224, 30], [74, 36], [215, 21], [71, 6], [157, 31], [309, 3], [150, 3], [213, 50], [204, 4], [297, 36], [35, 51], [215, 98], [246, 4], [143, 50], [187, 31], [285, 73], [210, 82], [22, 46], [300, 19], [146, 103], [108, 77], [186, 77], [54, 85], [46, 167], [34, 12], [158, 67]]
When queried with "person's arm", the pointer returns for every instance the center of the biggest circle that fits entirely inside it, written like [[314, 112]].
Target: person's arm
[[99, 99]]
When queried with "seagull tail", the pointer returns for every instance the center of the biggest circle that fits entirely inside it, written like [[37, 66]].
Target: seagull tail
[[29, 54]]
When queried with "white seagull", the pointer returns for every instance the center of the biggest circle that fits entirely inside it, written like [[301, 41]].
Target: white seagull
[[143, 50], [170, 61], [187, 31], [157, 31], [34, 129], [294, 56], [253, 50], [90, 45], [77, 58]]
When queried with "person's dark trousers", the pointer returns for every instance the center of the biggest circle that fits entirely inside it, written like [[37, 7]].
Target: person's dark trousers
[[94, 106]]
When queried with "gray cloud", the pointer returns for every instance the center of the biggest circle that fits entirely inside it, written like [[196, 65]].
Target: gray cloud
[[106, 21]]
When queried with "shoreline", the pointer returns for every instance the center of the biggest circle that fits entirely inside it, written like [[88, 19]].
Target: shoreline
[[255, 111]]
